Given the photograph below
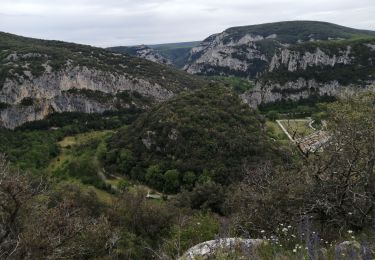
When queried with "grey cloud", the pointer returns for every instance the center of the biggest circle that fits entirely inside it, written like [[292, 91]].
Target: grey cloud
[[127, 22]]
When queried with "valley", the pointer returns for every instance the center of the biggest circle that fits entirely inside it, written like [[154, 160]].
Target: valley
[[260, 135]]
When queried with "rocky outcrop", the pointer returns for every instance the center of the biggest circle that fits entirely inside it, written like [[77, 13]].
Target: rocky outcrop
[[150, 54], [208, 249], [17, 115], [49, 92], [219, 53], [50, 85], [144, 52], [294, 60], [271, 92], [289, 61]]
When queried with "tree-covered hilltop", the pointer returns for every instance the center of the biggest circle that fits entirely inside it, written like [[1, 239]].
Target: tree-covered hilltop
[[294, 31], [204, 135]]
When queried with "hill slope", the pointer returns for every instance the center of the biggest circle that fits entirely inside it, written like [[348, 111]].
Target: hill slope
[[208, 133], [177, 53], [40, 77]]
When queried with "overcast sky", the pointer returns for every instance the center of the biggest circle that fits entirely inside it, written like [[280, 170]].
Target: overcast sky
[[129, 22]]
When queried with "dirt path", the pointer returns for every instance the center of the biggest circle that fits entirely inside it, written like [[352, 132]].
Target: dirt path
[[284, 130]]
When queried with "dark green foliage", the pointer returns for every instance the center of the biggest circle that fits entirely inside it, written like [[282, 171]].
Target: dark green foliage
[[27, 102], [34, 144], [30, 149], [3, 105], [76, 122], [171, 180], [296, 109], [207, 135], [204, 196], [82, 168], [123, 185], [238, 85]]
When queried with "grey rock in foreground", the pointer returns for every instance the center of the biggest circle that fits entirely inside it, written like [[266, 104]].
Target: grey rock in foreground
[[209, 248]]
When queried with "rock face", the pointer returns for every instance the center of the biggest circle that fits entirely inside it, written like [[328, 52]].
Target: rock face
[[150, 54], [17, 115], [40, 77], [50, 85], [144, 52], [216, 55], [272, 92], [289, 60], [49, 93], [207, 249], [294, 60]]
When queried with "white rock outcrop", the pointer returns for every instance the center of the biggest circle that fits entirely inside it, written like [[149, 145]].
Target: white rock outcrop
[[50, 93], [209, 248], [269, 92], [294, 60], [218, 52]]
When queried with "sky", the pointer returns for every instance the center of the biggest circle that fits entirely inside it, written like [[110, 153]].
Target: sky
[[107, 23]]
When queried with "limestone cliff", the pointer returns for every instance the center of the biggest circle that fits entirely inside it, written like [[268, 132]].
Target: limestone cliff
[[289, 60], [41, 77], [49, 93], [272, 92]]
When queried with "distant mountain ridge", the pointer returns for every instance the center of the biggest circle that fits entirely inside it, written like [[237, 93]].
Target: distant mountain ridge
[[39, 77], [142, 51], [168, 53], [286, 60], [248, 50], [289, 60]]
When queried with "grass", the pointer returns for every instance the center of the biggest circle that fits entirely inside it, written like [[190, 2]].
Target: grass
[[78, 159], [84, 138], [75, 147], [298, 128], [275, 131]]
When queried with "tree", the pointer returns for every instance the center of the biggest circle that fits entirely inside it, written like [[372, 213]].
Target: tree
[[341, 180], [125, 161], [189, 179], [37, 222], [16, 191], [171, 180], [154, 176]]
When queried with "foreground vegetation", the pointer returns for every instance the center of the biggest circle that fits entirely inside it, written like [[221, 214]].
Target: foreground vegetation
[[227, 175]]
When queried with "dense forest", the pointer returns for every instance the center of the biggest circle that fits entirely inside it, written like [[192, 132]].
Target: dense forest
[[227, 177]]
